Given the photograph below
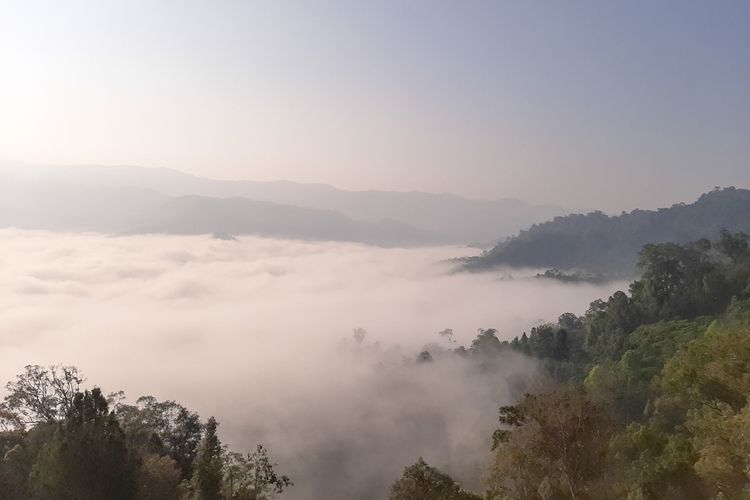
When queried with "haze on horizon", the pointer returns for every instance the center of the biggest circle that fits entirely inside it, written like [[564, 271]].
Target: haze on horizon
[[582, 104]]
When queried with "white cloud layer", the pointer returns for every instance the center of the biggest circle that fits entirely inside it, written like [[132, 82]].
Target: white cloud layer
[[250, 331]]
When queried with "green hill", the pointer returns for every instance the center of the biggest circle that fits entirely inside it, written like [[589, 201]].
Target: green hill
[[602, 243]]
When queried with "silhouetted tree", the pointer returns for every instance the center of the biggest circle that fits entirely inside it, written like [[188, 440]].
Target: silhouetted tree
[[42, 394], [163, 427], [87, 457], [207, 477], [423, 482]]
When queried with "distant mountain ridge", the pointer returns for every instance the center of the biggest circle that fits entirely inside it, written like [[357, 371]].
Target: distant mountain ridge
[[203, 215], [453, 218], [601, 243], [66, 206]]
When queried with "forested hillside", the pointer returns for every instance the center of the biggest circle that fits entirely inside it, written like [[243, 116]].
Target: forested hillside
[[647, 393], [653, 394], [597, 242]]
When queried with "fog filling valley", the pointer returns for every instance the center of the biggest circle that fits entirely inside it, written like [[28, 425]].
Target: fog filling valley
[[258, 332]]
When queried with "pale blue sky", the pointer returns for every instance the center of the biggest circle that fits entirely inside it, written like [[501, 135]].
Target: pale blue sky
[[592, 104]]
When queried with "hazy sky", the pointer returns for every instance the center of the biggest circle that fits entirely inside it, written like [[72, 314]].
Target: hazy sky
[[596, 104]]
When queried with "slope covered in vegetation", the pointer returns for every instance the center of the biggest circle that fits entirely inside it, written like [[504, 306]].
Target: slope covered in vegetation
[[597, 242], [653, 401], [647, 395]]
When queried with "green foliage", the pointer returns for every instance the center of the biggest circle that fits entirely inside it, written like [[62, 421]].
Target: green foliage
[[486, 344], [574, 277], [653, 464], [163, 428], [208, 474], [670, 360], [553, 445], [42, 394], [252, 477], [560, 347], [720, 438], [713, 369], [86, 458], [20, 452], [158, 478], [420, 481], [736, 318], [145, 451], [734, 245], [691, 442], [599, 243], [626, 383]]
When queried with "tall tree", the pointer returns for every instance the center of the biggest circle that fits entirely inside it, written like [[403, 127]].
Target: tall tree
[[163, 427], [252, 477], [207, 476], [87, 457], [42, 394], [553, 445], [420, 481]]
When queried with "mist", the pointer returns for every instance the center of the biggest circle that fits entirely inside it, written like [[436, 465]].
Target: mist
[[257, 332]]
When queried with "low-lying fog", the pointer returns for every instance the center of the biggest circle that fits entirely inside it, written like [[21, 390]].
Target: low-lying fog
[[252, 331]]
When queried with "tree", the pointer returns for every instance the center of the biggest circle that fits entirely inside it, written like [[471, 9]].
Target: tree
[[447, 334], [9, 421], [87, 457], [252, 477], [561, 350], [570, 321], [158, 478], [486, 344], [720, 438], [207, 477], [163, 427], [733, 245], [542, 341], [553, 445], [42, 394], [424, 357], [145, 451], [420, 481], [523, 344]]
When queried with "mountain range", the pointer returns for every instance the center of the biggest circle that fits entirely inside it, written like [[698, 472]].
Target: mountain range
[[136, 199]]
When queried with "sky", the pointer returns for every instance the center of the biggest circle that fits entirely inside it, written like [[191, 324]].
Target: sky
[[586, 104]]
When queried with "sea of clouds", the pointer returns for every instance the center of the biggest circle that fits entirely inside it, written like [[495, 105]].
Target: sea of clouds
[[253, 331]]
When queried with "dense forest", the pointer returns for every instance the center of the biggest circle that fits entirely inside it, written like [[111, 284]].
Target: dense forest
[[59, 441], [653, 393], [601, 243], [645, 396]]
